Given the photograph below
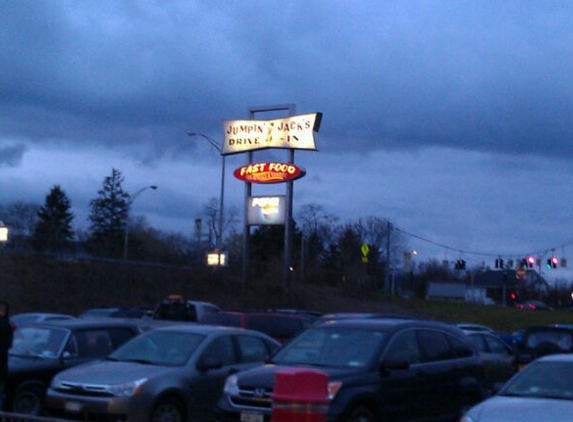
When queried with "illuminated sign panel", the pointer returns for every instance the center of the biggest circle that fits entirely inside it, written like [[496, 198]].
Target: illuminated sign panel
[[266, 210], [294, 132], [269, 172]]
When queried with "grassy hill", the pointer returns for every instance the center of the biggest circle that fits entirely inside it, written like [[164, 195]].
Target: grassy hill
[[42, 284]]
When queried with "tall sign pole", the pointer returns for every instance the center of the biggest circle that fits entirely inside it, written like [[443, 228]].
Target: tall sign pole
[[290, 133]]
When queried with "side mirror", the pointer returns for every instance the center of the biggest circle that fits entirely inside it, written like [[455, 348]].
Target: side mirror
[[209, 363]]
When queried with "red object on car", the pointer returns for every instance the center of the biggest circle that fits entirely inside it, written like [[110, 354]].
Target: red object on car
[[300, 395]]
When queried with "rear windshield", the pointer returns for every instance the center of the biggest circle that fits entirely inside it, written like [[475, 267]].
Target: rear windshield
[[562, 339], [278, 326]]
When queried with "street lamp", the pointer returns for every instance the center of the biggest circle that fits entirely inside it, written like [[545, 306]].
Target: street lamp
[[218, 147], [126, 234]]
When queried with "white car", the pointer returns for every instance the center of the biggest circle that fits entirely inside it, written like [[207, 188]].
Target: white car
[[543, 391]]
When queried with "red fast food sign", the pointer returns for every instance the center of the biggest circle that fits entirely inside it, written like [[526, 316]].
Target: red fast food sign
[[269, 172]]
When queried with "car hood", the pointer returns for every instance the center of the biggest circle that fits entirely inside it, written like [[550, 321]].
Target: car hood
[[264, 376], [111, 373], [503, 409], [19, 364]]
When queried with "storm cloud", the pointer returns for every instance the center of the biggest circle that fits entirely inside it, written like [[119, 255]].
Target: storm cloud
[[488, 76]]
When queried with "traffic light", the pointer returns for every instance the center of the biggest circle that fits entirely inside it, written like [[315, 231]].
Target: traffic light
[[499, 263], [530, 261], [512, 297], [460, 264], [554, 262]]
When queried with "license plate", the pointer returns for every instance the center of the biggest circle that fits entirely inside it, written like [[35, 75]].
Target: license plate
[[73, 406], [252, 417]]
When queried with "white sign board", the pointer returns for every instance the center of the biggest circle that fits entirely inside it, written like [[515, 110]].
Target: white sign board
[[294, 132], [266, 210]]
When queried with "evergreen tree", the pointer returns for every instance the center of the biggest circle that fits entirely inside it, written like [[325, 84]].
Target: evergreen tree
[[108, 216], [53, 230]]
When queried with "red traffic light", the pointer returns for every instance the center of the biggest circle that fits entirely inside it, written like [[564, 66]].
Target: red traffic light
[[530, 261], [554, 262]]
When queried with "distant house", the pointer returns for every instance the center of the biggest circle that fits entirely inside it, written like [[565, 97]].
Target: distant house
[[503, 285], [447, 291]]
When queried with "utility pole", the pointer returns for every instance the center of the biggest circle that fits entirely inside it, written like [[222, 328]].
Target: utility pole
[[387, 270]]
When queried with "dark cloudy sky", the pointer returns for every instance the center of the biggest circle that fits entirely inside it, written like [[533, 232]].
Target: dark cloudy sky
[[451, 118]]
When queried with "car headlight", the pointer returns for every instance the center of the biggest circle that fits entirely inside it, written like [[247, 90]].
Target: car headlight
[[231, 387], [128, 388]]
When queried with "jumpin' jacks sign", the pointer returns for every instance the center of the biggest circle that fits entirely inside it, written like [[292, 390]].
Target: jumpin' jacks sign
[[294, 132]]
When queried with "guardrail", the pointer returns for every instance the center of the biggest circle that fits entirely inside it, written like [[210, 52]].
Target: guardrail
[[15, 417]]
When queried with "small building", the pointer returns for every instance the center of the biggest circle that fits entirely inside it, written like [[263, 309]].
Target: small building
[[446, 291]]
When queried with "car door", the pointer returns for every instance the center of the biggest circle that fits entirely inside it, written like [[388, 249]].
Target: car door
[[502, 357], [438, 371], [401, 393], [217, 361]]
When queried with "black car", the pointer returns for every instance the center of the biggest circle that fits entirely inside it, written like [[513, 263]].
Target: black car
[[544, 340], [378, 369], [41, 350]]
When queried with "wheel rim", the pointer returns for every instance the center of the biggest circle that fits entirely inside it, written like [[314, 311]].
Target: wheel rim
[[167, 412], [27, 402]]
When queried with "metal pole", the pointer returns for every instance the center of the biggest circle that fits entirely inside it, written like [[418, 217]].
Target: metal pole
[[221, 209], [246, 235], [219, 234], [387, 275], [288, 235]]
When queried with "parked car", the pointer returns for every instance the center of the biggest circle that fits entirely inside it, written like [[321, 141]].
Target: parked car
[[40, 350], [29, 317], [278, 325], [174, 373], [541, 392], [175, 308], [544, 340], [378, 369], [102, 312], [499, 359], [534, 305]]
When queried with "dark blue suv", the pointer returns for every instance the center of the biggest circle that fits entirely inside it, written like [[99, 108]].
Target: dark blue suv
[[378, 369]]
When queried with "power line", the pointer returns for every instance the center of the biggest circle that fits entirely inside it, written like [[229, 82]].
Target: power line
[[479, 253]]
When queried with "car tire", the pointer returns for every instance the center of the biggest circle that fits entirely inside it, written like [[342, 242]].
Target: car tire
[[167, 410], [28, 400], [360, 414]]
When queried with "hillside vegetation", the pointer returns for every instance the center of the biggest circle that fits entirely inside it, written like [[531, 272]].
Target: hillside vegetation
[[49, 285]]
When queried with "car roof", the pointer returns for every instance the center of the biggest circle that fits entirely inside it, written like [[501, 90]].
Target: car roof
[[88, 323], [387, 324], [559, 357], [207, 329]]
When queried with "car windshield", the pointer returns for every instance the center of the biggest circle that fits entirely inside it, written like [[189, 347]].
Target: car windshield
[[38, 341], [332, 346], [163, 348], [542, 379]]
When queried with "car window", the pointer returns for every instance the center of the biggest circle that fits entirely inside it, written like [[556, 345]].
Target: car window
[[278, 326], [93, 343], [496, 346], [253, 349], [220, 318], [221, 348], [404, 346], [120, 336], [461, 348], [434, 345], [479, 342]]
